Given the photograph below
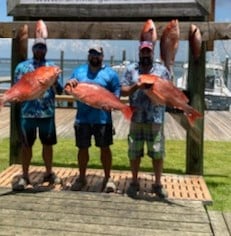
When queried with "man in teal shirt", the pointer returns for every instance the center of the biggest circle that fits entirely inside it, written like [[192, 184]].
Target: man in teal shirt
[[37, 114], [91, 121]]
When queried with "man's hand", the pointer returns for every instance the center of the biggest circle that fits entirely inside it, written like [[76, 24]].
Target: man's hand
[[72, 82], [144, 85], [106, 107]]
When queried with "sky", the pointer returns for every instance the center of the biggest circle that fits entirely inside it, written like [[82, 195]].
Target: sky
[[115, 47]]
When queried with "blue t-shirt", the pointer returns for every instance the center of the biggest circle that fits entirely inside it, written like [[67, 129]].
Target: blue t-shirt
[[145, 111], [42, 107], [105, 77]]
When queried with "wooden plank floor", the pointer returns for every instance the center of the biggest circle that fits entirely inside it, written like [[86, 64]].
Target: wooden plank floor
[[99, 214], [180, 187], [216, 126], [54, 210]]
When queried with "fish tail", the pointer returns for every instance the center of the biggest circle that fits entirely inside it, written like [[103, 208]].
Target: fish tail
[[128, 112], [192, 116]]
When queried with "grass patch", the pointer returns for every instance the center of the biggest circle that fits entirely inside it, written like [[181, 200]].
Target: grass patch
[[217, 169]]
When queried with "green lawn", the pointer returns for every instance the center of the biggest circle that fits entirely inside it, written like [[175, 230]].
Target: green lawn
[[217, 168]]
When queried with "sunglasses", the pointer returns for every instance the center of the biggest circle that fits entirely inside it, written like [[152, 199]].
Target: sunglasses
[[40, 47], [94, 53]]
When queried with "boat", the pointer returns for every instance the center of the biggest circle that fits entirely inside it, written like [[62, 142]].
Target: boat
[[119, 68], [217, 94]]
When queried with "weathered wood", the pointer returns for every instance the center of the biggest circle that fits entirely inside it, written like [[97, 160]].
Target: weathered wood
[[18, 54], [216, 122], [108, 9], [219, 223], [196, 84], [66, 213], [114, 30]]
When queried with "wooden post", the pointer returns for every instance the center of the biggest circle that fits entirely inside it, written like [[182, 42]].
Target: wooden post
[[61, 64], [196, 85], [18, 54], [124, 56]]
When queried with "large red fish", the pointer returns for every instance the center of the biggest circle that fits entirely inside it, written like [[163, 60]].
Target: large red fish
[[165, 93], [98, 97], [23, 35], [148, 32], [195, 41], [41, 30], [32, 85], [169, 42]]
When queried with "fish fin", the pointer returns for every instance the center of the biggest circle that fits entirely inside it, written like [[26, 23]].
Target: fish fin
[[128, 112], [192, 116]]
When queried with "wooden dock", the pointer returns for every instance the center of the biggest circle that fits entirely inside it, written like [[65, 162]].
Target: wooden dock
[[86, 214], [54, 210], [216, 126]]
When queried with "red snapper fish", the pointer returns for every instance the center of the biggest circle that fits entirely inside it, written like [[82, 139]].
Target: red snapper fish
[[41, 30], [165, 93], [32, 85], [195, 41], [169, 42], [23, 35], [98, 97], [148, 32]]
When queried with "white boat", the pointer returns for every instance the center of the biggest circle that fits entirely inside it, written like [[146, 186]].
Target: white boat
[[217, 95], [121, 67]]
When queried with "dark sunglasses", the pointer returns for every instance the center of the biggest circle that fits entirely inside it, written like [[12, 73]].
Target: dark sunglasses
[[94, 53], [39, 47]]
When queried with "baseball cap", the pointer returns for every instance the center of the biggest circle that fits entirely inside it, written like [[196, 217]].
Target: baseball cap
[[39, 41], [97, 49], [146, 44]]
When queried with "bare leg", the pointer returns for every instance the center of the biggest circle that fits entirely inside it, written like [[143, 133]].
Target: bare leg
[[106, 160], [158, 168], [26, 155], [135, 165], [47, 154], [83, 158]]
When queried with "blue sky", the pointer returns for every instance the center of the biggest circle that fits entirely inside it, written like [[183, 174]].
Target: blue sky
[[115, 47]]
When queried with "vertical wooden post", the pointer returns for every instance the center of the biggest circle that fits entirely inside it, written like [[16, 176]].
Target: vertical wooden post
[[196, 85], [18, 54], [61, 64], [112, 60], [124, 56]]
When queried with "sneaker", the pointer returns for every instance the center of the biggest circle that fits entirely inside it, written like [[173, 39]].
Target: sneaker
[[20, 184], [132, 189], [78, 184], [52, 178], [109, 186], [159, 191]]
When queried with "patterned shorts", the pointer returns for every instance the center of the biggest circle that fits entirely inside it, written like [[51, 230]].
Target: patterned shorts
[[152, 135]]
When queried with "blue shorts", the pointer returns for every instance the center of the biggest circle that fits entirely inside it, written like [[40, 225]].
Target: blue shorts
[[152, 135], [101, 132], [46, 130]]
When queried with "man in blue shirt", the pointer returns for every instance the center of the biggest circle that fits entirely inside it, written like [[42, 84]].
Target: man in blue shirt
[[91, 121], [37, 114], [147, 121]]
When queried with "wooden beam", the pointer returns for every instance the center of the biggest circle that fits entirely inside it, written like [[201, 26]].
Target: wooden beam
[[107, 10], [114, 30]]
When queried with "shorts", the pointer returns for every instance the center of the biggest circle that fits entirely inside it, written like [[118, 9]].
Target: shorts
[[152, 135], [46, 129], [101, 132]]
